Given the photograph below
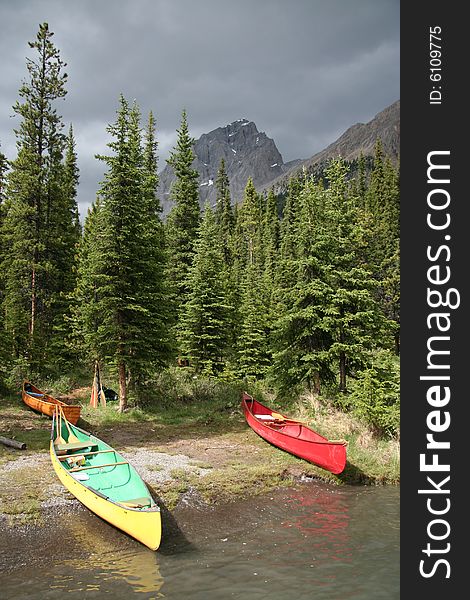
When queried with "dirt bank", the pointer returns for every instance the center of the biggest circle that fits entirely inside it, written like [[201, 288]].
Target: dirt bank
[[192, 452]]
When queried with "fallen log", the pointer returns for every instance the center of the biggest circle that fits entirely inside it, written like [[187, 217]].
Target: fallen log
[[12, 443]]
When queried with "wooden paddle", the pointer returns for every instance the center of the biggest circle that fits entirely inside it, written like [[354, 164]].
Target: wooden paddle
[[94, 389], [280, 417], [102, 396], [59, 439], [72, 436]]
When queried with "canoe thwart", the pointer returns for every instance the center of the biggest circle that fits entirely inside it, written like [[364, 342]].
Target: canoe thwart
[[75, 446], [121, 462], [136, 502], [88, 453]]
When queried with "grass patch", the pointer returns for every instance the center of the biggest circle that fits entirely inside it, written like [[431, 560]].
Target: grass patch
[[202, 419], [22, 496]]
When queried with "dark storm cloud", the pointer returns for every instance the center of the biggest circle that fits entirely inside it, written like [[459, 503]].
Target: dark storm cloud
[[304, 70]]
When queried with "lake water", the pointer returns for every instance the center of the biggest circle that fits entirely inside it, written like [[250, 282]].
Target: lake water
[[312, 542]]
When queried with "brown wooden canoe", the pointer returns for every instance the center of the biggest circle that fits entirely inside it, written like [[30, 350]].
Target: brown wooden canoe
[[43, 403]]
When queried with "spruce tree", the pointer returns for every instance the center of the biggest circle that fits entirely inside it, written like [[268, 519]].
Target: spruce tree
[[3, 171], [254, 322], [34, 211], [206, 323], [157, 347], [128, 270], [64, 237], [271, 236], [355, 320], [250, 219], [253, 341], [223, 213], [183, 220], [383, 199], [85, 317], [301, 334]]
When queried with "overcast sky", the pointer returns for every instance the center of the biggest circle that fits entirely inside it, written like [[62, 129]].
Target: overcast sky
[[302, 70]]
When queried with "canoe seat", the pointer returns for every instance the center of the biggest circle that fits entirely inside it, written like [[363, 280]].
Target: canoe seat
[[265, 417], [136, 502], [75, 446]]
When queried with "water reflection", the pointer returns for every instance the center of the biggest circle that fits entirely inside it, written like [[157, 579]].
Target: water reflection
[[100, 567], [139, 570], [314, 542]]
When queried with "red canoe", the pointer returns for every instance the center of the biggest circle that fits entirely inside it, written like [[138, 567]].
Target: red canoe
[[294, 437]]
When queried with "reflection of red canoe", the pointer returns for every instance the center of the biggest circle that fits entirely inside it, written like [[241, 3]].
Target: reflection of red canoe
[[294, 437], [43, 403]]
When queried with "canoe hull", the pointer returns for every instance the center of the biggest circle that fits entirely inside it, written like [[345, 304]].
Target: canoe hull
[[144, 525], [47, 404], [295, 438]]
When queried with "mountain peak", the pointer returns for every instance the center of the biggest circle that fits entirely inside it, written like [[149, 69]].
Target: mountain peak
[[246, 151]]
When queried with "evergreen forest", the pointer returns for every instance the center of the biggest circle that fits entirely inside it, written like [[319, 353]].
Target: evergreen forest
[[290, 292]]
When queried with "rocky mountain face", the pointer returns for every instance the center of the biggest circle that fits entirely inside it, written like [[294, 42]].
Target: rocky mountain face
[[246, 151], [250, 153], [362, 137], [358, 139]]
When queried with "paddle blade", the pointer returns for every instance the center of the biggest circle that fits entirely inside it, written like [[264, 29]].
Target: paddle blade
[[58, 428], [94, 398], [102, 398], [72, 436]]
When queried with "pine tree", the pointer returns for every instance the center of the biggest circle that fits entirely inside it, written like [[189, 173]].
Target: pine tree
[[355, 320], [85, 317], [271, 236], [383, 202], [223, 213], [286, 275], [253, 346], [250, 221], [64, 237], [157, 347], [34, 207], [3, 171], [253, 342], [183, 220], [207, 318], [329, 319], [4, 354], [301, 335], [128, 269]]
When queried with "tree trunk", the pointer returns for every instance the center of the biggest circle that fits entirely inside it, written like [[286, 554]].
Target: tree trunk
[[316, 383], [342, 372], [122, 387], [33, 303], [13, 443], [397, 344]]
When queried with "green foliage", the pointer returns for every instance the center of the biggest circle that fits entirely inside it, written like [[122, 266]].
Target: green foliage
[[206, 322], [375, 394], [299, 289], [120, 301], [183, 220], [40, 228], [224, 217]]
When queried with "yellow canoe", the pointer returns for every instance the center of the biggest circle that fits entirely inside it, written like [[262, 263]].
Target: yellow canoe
[[102, 480]]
